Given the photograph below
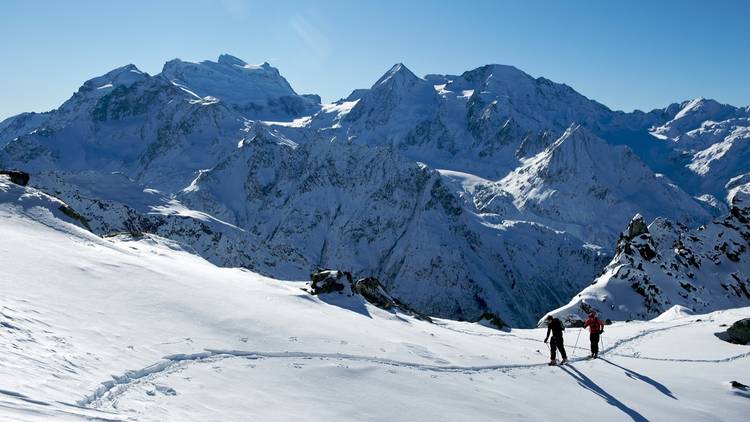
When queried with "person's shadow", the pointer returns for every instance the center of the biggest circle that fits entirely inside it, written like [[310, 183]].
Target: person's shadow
[[648, 380], [590, 385]]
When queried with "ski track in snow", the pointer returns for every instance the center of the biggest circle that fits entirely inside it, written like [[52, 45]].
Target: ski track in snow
[[12, 400], [111, 389], [614, 346]]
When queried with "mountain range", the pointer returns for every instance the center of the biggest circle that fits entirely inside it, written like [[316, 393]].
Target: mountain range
[[489, 191]]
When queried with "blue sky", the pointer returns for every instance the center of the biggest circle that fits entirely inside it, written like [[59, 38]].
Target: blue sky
[[634, 54]]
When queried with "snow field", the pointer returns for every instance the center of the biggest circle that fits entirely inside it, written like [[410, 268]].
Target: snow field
[[141, 330]]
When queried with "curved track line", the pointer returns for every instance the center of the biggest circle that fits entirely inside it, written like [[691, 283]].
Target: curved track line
[[172, 361], [724, 360]]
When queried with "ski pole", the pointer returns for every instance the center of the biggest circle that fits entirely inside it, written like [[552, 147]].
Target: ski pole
[[576, 346], [601, 340]]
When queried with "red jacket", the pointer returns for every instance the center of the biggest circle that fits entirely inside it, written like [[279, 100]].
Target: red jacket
[[595, 325]]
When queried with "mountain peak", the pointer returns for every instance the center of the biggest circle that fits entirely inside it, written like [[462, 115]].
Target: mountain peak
[[124, 75], [575, 150], [495, 72], [251, 89], [575, 134], [637, 226], [228, 59], [692, 113], [399, 74]]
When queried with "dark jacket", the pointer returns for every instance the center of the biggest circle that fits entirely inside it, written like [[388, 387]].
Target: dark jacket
[[556, 328]]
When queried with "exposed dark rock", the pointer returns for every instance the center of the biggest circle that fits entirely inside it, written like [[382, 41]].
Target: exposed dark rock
[[70, 212], [739, 385], [17, 177], [331, 281], [371, 289], [739, 332], [637, 227], [493, 320]]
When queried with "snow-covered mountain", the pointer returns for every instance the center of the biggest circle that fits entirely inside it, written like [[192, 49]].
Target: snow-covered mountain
[[667, 264], [125, 329], [256, 91], [586, 187], [704, 145], [495, 121], [370, 211], [474, 123], [285, 209], [487, 191], [128, 121]]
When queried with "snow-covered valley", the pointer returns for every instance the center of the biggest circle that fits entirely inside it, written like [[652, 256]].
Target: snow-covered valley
[[124, 328]]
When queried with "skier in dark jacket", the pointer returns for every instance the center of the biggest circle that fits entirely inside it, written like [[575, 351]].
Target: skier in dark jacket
[[555, 327], [596, 328]]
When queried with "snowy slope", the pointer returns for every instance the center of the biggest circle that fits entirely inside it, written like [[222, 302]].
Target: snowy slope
[[21, 124], [693, 114], [493, 122], [257, 91], [130, 122], [701, 145], [370, 211], [587, 187], [35, 204], [473, 123], [141, 330], [114, 204], [667, 264]]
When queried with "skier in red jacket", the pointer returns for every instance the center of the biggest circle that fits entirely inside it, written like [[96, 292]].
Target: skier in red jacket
[[596, 328]]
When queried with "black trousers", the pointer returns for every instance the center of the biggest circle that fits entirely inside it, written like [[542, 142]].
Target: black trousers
[[557, 344], [594, 337]]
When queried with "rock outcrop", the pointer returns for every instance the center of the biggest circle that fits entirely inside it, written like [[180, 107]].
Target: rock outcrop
[[667, 264], [371, 289], [739, 332], [17, 177], [331, 281]]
